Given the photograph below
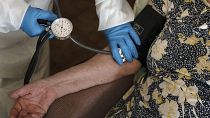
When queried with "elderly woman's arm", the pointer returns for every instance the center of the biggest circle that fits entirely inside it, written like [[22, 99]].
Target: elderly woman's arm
[[36, 97], [98, 70]]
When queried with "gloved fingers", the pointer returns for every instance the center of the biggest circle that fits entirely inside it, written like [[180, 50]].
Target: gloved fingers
[[134, 36], [115, 53], [47, 15], [30, 24], [38, 31], [131, 46], [125, 50]]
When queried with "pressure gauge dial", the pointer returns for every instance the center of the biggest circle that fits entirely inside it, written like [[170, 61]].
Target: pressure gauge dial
[[62, 28]]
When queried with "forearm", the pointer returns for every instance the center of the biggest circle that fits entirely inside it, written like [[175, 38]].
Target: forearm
[[98, 70]]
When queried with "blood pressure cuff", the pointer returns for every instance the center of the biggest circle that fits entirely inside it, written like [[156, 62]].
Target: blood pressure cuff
[[148, 25]]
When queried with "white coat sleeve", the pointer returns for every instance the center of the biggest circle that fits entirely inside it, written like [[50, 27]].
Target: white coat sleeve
[[12, 13], [113, 13]]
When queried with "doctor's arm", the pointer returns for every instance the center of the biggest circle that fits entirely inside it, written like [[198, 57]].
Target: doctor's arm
[[114, 20], [18, 14], [98, 70]]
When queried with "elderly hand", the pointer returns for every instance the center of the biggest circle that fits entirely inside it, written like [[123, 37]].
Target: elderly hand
[[32, 100]]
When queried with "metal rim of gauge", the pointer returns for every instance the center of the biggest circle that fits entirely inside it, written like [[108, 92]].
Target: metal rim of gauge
[[62, 28]]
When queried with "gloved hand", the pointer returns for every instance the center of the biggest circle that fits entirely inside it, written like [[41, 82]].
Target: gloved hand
[[123, 37], [30, 25]]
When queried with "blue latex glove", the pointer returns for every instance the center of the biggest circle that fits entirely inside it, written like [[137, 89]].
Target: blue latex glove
[[30, 25], [123, 37]]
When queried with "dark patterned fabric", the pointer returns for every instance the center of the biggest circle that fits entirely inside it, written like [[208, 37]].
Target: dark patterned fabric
[[177, 83]]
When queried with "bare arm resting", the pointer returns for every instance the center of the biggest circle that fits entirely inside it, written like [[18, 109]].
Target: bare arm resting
[[36, 97], [98, 70]]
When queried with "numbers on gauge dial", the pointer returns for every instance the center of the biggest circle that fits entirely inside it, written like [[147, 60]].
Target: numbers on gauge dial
[[62, 28]]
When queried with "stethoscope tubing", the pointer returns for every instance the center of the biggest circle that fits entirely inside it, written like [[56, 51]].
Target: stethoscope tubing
[[45, 35], [32, 65], [58, 10]]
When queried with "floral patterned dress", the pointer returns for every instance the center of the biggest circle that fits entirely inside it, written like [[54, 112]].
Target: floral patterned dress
[[177, 84]]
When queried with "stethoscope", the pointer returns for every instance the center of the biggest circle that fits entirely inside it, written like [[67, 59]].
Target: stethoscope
[[61, 29]]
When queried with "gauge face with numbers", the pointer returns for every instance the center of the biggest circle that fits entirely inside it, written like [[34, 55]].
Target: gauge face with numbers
[[62, 28]]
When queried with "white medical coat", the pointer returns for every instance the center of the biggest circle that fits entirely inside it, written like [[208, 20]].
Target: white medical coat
[[113, 13], [110, 12]]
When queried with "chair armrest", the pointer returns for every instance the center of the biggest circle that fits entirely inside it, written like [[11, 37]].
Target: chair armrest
[[94, 102]]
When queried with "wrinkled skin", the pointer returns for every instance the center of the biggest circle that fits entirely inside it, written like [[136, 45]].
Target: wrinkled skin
[[33, 100]]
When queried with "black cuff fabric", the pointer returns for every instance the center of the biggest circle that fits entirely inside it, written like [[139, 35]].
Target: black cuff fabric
[[148, 25]]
